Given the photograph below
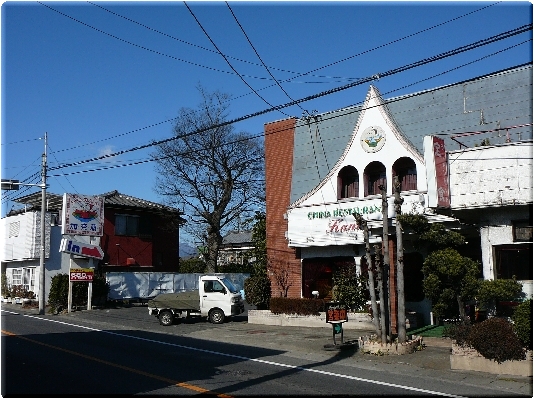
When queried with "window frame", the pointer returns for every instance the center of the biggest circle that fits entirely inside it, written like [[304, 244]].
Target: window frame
[[128, 228]]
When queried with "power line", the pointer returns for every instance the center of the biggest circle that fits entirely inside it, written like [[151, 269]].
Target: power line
[[201, 47], [306, 118], [459, 50], [258, 55], [213, 51], [228, 62], [380, 46], [143, 47]]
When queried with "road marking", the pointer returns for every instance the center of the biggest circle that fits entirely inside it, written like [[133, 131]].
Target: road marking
[[123, 367], [258, 360]]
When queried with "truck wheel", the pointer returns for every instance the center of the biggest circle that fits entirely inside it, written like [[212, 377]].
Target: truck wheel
[[216, 316], [166, 318]]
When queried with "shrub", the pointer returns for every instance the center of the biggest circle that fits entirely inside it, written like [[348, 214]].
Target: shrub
[[350, 289], [19, 291], [192, 266], [257, 290], [499, 290], [496, 340], [5, 287], [286, 305], [523, 323], [235, 268], [59, 292], [458, 332]]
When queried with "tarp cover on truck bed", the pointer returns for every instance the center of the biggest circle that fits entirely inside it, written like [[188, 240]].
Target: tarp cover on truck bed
[[182, 300]]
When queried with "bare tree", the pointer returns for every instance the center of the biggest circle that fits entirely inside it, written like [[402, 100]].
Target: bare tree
[[380, 283], [210, 170], [386, 260], [280, 270], [371, 279], [400, 282]]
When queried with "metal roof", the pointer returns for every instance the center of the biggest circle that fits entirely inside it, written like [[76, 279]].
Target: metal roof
[[111, 199], [499, 100], [238, 237]]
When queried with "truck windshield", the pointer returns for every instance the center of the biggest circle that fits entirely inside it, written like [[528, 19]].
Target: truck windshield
[[229, 285]]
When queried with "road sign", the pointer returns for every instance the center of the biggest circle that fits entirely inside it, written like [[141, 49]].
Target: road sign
[[10, 184]]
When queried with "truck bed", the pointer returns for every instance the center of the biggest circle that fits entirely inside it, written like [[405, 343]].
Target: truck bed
[[181, 301]]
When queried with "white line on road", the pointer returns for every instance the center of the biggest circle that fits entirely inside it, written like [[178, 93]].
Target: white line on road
[[316, 371]]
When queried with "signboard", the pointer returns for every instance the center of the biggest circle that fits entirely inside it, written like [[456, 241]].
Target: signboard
[[81, 275], [83, 215], [441, 168], [334, 224], [81, 249], [335, 312]]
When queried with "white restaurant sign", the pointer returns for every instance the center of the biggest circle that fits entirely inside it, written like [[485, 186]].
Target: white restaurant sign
[[83, 215], [334, 224]]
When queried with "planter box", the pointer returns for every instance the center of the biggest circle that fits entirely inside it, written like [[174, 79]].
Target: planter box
[[468, 359], [369, 346], [361, 321]]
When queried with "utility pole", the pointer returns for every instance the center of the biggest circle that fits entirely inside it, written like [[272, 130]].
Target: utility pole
[[43, 232]]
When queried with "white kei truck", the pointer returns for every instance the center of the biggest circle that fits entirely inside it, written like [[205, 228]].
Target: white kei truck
[[217, 299]]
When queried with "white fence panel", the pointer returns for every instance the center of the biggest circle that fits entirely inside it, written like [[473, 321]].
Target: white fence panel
[[145, 285]]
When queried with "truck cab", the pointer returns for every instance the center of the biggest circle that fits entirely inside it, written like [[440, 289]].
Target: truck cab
[[218, 294]]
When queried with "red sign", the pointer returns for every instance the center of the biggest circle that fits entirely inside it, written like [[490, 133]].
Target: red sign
[[441, 168], [81, 275], [335, 312]]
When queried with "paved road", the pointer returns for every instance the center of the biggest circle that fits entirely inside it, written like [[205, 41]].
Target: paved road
[[235, 358]]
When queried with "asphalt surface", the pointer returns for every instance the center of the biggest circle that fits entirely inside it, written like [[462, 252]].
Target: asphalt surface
[[313, 344]]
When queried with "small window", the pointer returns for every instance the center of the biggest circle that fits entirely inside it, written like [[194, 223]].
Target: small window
[[374, 176], [522, 231], [17, 276], [348, 182], [126, 225], [405, 169]]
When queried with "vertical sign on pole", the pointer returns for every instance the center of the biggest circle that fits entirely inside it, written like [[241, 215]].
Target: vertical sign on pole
[[82, 216]]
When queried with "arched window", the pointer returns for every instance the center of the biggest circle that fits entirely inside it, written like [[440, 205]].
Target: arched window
[[405, 169], [374, 176], [348, 182]]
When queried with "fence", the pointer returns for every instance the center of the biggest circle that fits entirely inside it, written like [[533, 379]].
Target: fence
[[145, 285]]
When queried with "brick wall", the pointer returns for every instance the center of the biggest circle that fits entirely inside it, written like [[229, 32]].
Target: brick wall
[[279, 143]]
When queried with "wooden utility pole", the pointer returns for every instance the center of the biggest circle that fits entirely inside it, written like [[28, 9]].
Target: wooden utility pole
[[371, 279], [400, 278]]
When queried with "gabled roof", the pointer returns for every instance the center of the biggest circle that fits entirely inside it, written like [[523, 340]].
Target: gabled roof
[[495, 101], [112, 199], [238, 238]]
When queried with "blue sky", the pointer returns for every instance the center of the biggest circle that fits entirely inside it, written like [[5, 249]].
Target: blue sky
[[104, 77]]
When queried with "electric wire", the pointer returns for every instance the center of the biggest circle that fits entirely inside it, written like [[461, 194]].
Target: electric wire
[[380, 46], [201, 47], [361, 81], [260, 58], [144, 47], [234, 98], [385, 93], [228, 62]]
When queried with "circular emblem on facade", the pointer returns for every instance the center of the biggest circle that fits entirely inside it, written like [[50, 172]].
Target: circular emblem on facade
[[373, 139]]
